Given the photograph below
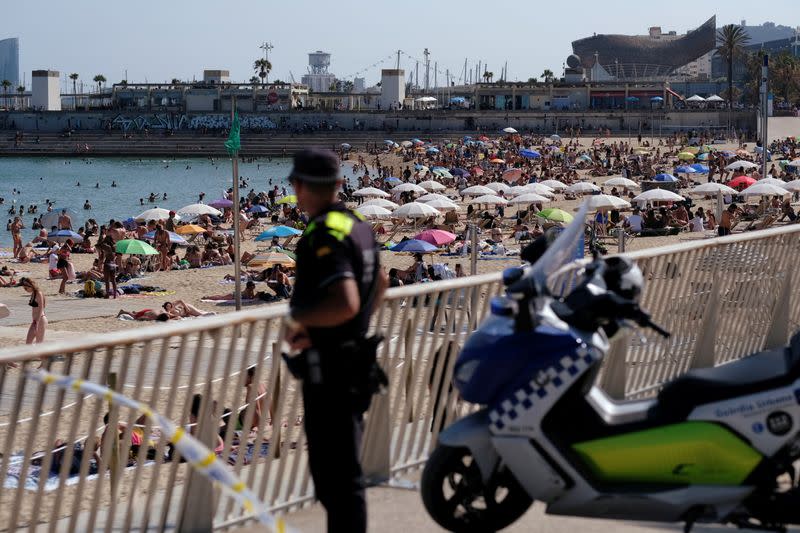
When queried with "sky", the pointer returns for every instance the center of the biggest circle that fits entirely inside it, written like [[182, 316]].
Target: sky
[[157, 41]]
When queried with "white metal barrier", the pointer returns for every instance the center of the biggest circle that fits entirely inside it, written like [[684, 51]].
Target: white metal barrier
[[722, 299]]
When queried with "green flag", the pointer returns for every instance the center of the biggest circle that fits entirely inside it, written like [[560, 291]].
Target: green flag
[[233, 144]]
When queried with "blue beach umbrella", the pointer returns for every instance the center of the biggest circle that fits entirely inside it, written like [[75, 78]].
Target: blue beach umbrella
[[700, 169], [665, 177], [174, 238], [414, 246], [684, 169], [702, 157], [278, 231], [432, 150], [656, 99], [258, 209], [530, 154], [392, 179], [63, 234]]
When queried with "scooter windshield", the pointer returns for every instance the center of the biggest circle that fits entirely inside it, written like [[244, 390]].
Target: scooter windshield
[[561, 252]]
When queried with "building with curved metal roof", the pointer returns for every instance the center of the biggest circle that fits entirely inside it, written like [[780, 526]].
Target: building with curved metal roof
[[646, 56]]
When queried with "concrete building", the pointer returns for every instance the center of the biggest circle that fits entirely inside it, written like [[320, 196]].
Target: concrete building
[[45, 91], [216, 76], [318, 79], [9, 61], [359, 85], [393, 88]]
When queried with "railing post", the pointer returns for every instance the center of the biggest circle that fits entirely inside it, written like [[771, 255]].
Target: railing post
[[113, 421], [705, 347], [375, 452], [778, 333], [198, 511]]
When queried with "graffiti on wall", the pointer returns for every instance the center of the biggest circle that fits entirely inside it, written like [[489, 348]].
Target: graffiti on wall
[[176, 121]]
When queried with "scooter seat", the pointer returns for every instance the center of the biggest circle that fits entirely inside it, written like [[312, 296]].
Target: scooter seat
[[749, 375]]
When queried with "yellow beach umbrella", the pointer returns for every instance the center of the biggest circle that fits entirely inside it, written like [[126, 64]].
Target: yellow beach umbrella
[[190, 229], [291, 199], [685, 156]]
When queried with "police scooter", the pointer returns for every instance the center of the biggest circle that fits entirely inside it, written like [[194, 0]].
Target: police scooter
[[716, 445]]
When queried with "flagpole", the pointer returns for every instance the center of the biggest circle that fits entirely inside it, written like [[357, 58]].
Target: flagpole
[[237, 267]]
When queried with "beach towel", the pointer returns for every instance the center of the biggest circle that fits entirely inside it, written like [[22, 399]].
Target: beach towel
[[233, 302], [248, 455]]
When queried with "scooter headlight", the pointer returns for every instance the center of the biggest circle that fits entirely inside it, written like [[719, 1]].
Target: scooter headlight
[[465, 372]]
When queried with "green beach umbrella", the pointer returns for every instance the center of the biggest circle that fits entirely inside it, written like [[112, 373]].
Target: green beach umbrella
[[135, 247], [555, 214]]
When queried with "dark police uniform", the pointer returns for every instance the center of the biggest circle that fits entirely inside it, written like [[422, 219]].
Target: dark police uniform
[[336, 245]]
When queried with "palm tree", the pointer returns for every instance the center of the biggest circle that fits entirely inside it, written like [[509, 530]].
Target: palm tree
[[74, 78], [99, 80], [785, 75], [732, 40], [487, 76], [20, 91], [254, 79], [175, 81], [548, 75], [6, 84], [262, 67]]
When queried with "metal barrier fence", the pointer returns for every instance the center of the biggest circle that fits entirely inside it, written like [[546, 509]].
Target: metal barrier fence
[[722, 299]]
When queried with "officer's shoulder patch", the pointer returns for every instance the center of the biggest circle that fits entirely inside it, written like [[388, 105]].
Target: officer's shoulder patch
[[323, 251]]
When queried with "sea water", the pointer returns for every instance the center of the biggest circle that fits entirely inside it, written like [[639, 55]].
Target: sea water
[[41, 178]]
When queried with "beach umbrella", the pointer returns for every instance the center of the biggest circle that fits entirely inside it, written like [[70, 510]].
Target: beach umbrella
[[714, 98], [794, 164], [408, 187], [696, 98], [371, 191], [430, 185], [555, 137], [278, 231], [632, 99], [417, 142], [437, 237], [441, 172], [381, 202], [512, 175], [583, 187], [702, 157], [497, 161], [51, 219], [432, 150], [373, 211], [271, 259], [406, 144], [135, 247], [663, 177], [345, 146], [415, 210], [393, 180], [195, 210], [585, 157], [478, 171], [442, 205], [414, 246], [498, 186], [685, 169], [490, 199], [189, 229], [622, 182], [432, 196], [686, 156], [554, 184], [555, 214], [220, 203], [793, 186], [741, 182], [155, 213], [700, 168], [656, 99], [529, 198], [510, 130], [476, 190], [63, 234], [258, 209], [459, 171], [174, 238], [658, 195], [773, 181], [289, 199], [418, 166], [764, 189], [606, 201], [535, 188], [741, 165], [388, 142], [707, 189], [530, 154]]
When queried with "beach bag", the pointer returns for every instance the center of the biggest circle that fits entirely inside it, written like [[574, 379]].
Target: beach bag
[[88, 289]]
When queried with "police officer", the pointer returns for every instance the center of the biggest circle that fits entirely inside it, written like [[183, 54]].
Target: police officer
[[338, 283]]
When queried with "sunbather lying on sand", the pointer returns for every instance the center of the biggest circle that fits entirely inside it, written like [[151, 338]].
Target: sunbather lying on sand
[[180, 309], [144, 315]]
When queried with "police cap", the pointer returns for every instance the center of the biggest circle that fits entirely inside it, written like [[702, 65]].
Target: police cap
[[315, 165]]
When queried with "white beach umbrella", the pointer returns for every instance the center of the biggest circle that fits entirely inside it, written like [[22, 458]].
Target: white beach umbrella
[[498, 186], [490, 199], [415, 210], [583, 187], [714, 98], [156, 213], [195, 210], [622, 182], [409, 187], [371, 191], [529, 198], [707, 189], [425, 198], [509, 130], [764, 189], [381, 202], [606, 201], [794, 164], [477, 190], [658, 195], [741, 165], [773, 181], [535, 188], [696, 98], [793, 186], [430, 185], [374, 211], [442, 205], [554, 184]]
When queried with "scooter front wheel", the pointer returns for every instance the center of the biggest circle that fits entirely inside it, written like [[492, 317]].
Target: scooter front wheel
[[457, 499]]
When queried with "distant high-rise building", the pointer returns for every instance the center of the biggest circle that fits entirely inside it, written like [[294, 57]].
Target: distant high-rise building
[[359, 85], [9, 61]]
